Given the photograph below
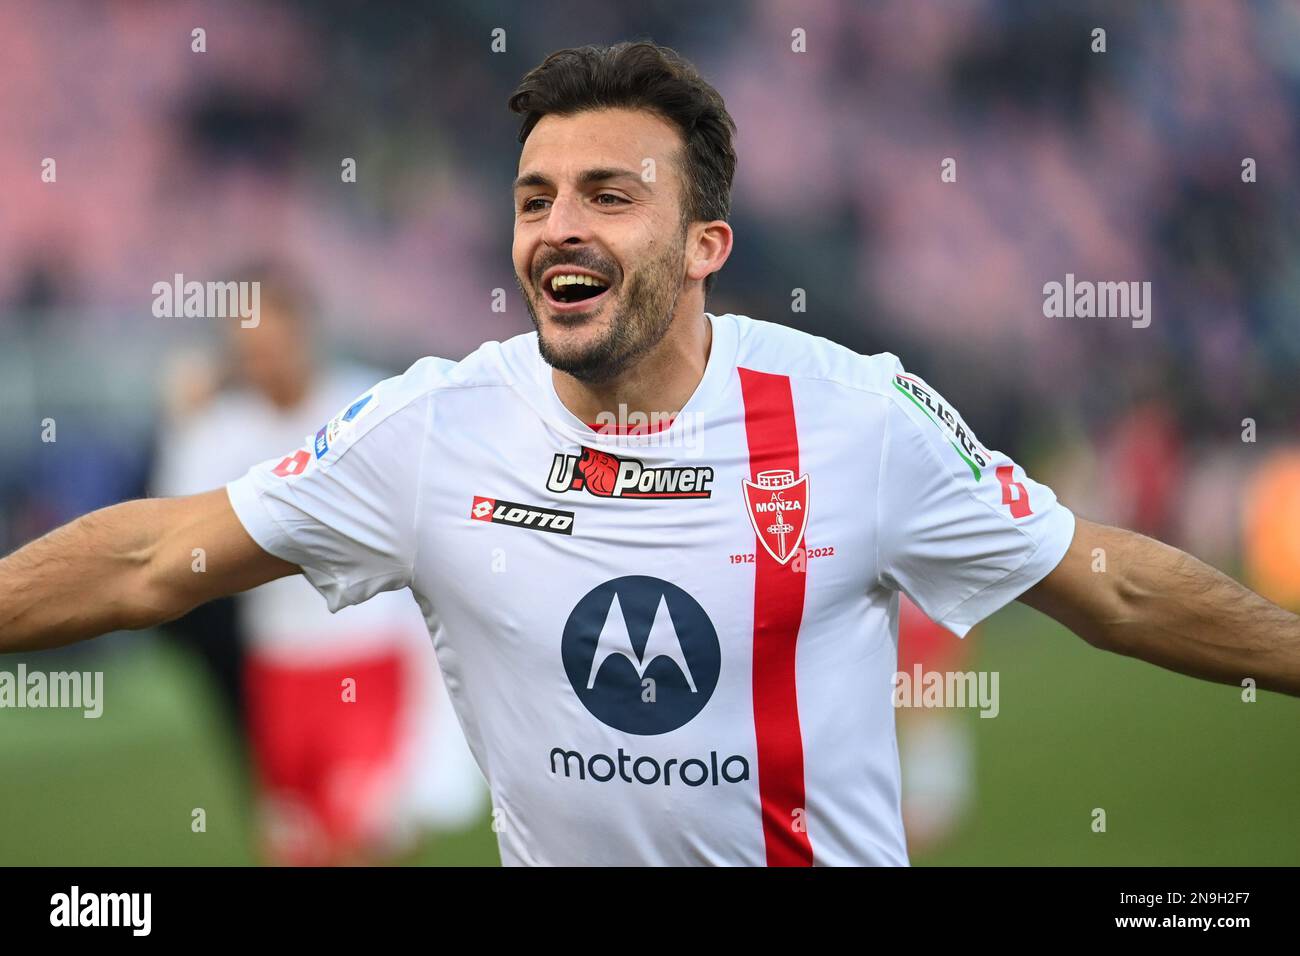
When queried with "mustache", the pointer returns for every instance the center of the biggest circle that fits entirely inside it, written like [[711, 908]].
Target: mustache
[[601, 267]]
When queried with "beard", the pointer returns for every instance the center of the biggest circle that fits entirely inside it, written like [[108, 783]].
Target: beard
[[640, 318]]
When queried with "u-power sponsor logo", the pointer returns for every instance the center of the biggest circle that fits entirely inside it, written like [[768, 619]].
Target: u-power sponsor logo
[[613, 476]]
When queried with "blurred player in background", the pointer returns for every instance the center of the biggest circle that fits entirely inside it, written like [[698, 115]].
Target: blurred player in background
[[935, 746], [355, 748]]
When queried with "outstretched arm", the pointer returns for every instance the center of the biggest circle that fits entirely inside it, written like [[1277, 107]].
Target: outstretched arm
[[129, 566], [1161, 605]]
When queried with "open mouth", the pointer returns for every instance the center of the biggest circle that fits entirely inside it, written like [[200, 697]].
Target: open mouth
[[573, 288]]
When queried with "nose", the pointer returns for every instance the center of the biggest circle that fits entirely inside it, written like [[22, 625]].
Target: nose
[[567, 222]]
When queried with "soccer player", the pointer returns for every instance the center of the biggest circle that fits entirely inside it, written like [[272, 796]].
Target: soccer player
[[356, 750], [666, 645]]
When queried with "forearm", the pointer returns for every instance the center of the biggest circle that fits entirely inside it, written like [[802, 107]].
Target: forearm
[[83, 579], [1166, 607]]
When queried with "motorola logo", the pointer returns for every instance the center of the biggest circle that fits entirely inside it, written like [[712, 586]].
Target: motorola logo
[[641, 655]]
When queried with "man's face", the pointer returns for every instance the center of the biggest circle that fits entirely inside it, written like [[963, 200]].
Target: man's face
[[273, 357], [585, 205]]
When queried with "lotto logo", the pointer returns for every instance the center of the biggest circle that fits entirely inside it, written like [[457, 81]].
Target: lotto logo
[[495, 511], [292, 464]]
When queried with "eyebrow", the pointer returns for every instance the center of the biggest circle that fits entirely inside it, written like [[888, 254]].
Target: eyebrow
[[586, 178]]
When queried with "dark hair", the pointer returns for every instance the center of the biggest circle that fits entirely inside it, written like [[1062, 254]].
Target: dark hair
[[642, 75]]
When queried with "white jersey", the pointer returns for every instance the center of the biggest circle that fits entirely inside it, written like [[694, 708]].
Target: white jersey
[[285, 620], [673, 647]]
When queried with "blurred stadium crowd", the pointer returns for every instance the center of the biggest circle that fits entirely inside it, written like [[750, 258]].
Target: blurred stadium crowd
[[1123, 165], [1115, 166]]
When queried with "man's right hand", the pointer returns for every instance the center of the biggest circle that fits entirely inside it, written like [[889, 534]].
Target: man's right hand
[[132, 565]]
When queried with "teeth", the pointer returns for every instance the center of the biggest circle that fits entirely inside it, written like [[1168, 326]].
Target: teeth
[[559, 281]]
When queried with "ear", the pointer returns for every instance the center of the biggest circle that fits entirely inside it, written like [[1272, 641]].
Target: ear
[[708, 244]]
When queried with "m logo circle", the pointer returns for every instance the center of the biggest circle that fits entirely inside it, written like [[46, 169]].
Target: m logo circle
[[641, 654]]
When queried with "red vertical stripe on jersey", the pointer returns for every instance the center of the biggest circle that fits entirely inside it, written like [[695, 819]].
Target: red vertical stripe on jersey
[[778, 611]]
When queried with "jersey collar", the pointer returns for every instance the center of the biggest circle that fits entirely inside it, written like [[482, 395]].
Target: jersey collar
[[717, 371]]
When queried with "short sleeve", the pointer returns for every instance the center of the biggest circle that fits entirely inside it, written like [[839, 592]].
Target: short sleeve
[[961, 528], [343, 506]]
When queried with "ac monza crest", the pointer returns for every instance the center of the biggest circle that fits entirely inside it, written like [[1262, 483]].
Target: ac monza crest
[[778, 510]]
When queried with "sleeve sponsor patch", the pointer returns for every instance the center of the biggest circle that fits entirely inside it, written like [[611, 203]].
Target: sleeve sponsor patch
[[344, 420], [946, 419], [294, 465]]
